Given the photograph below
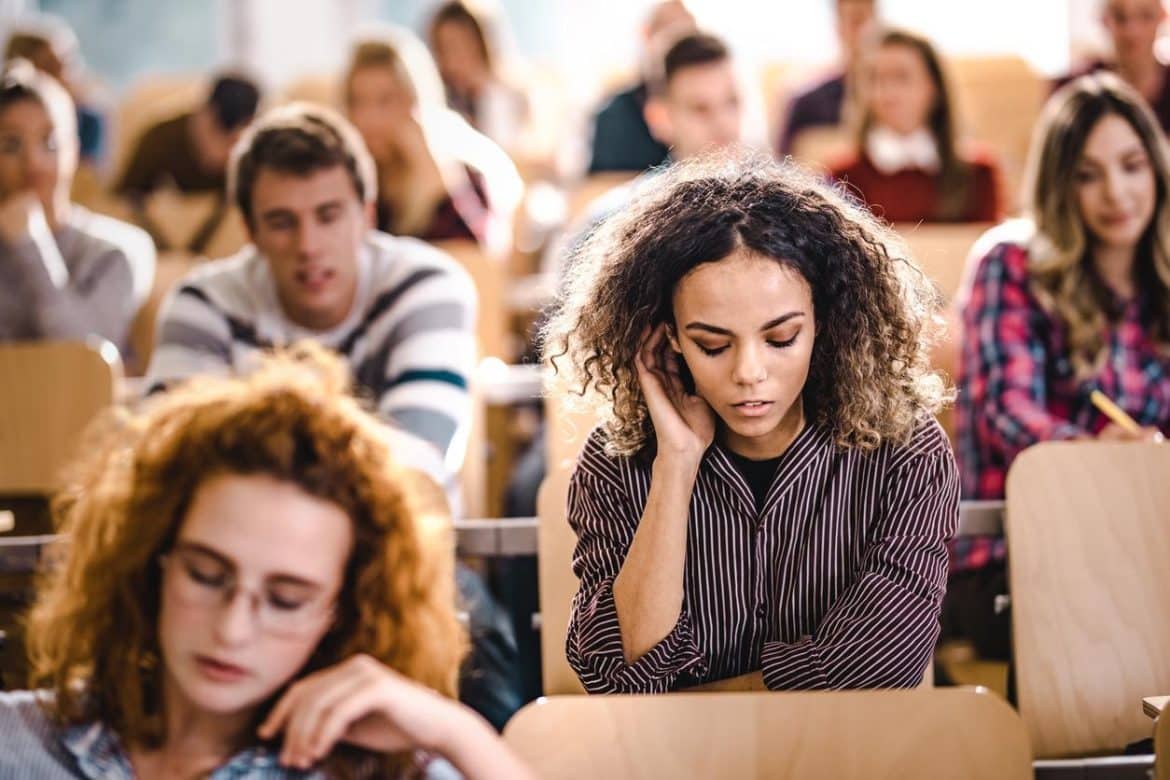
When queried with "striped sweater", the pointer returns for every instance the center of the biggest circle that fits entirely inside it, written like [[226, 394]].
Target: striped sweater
[[409, 340], [835, 581]]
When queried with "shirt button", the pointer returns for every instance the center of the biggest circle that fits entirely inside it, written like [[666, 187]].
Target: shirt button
[[761, 610]]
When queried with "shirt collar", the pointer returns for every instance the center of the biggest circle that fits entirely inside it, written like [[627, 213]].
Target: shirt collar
[[891, 152], [813, 445], [99, 756]]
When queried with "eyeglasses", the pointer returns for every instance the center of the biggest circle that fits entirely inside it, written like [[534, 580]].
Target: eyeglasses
[[199, 579]]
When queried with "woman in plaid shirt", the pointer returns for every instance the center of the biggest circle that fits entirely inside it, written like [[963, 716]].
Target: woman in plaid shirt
[[1075, 298]]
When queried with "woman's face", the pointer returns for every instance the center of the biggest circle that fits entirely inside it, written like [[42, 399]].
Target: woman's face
[[248, 590], [30, 155], [1116, 191], [745, 328], [901, 92], [460, 57], [378, 105]]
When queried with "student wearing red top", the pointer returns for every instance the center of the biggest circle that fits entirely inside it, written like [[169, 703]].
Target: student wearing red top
[[908, 166], [1075, 298]]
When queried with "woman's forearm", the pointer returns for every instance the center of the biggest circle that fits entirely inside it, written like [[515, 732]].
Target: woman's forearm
[[648, 591]]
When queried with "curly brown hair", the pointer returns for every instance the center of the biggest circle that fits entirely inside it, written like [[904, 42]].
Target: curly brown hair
[[93, 631], [869, 377]]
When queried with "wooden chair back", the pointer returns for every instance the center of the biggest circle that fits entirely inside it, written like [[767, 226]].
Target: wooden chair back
[[169, 270], [999, 100], [49, 393], [941, 251], [1162, 747], [819, 147], [558, 585], [490, 276], [944, 732], [1086, 526], [591, 188]]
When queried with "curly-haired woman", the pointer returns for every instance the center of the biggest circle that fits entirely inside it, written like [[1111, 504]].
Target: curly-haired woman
[[768, 492], [1073, 299], [249, 588]]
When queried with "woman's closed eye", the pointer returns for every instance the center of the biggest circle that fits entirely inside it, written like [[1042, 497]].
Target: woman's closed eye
[[287, 601], [783, 343], [711, 350], [211, 576]]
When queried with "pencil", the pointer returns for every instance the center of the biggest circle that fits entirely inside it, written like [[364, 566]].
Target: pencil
[[1114, 412]]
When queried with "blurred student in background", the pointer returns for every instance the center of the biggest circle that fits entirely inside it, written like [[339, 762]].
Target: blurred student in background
[[822, 104], [622, 139], [65, 273], [438, 178], [463, 38], [50, 44], [1133, 27], [1074, 298], [909, 166]]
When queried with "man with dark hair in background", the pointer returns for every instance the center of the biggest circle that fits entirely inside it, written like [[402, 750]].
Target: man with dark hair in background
[[621, 139], [190, 152]]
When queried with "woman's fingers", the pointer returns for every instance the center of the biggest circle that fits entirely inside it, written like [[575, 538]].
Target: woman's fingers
[[304, 722]]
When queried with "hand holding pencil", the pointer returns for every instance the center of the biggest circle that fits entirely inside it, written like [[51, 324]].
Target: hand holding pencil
[[1122, 427]]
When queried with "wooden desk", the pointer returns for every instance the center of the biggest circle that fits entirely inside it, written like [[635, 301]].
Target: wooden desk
[[1155, 705]]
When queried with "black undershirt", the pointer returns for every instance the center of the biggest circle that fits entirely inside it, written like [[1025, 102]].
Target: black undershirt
[[758, 473]]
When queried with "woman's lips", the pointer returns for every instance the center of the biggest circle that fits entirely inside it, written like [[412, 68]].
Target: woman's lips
[[219, 671], [753, 408]]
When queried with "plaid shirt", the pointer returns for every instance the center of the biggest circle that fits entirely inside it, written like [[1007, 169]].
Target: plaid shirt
[[1017, 388]]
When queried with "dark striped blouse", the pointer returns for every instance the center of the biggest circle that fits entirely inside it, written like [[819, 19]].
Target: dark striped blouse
[[835, 583]]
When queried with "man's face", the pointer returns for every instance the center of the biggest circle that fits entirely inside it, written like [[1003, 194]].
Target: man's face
[[310, 228], [1133, 26], [701, 110]]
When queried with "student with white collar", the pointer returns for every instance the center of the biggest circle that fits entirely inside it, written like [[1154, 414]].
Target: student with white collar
[[908, 166]]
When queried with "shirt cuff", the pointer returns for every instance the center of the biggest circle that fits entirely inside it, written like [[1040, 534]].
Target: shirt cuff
[[595, 651], [795, 666]]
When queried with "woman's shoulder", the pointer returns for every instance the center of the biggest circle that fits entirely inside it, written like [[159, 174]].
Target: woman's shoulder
[[32, 742], [926, 449], [1001, 253], [598, 463]]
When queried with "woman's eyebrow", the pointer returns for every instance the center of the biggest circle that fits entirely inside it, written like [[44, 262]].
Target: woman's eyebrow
[[279, 578], [724, 332]]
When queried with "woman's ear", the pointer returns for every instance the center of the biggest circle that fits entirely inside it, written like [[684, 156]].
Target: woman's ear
[[672, 337]]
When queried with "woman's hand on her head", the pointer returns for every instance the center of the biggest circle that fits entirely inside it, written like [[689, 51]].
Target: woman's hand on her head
[[365, 703], [684, 424], [1114, 432]]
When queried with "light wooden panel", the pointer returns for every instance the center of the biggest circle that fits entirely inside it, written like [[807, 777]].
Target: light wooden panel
[[490, 276], [1162, 747], [49, 392], [557, 583], [941, 251], [1090, 541], [170, 268], [999, 99], [945, 732]]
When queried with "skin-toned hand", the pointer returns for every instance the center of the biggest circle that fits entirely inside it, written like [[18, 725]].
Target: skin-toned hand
[[367, 704], [684, 424], [20, 215], [1114, 432]]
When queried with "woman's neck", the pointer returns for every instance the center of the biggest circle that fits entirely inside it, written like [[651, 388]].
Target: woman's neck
[[197, 741], [1144, 73], [1115, 267]]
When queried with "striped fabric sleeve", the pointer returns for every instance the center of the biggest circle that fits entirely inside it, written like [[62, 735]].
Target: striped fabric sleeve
[[1006, 323], [882, 631], [429, 360], [193, 338], [604, 520]]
